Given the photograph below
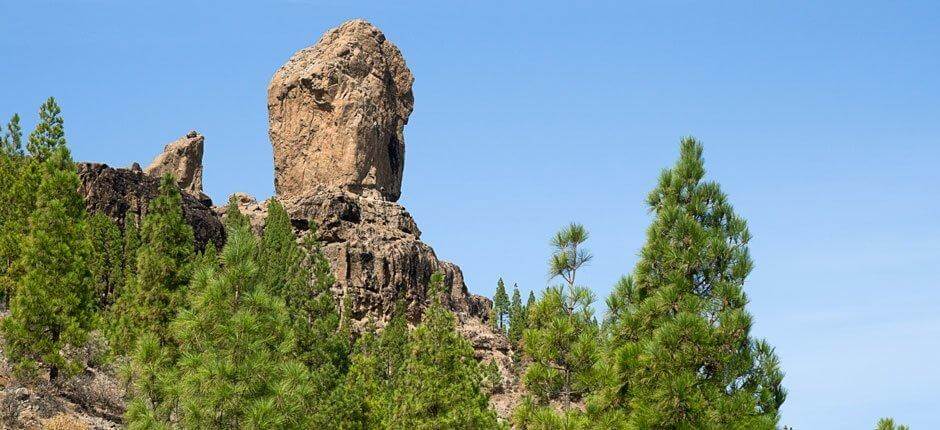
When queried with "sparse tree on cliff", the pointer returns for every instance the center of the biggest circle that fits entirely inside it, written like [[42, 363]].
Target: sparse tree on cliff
[[234, 218], [162, 272], [681, 349], [501, 305], [517, 317], [53, 305]]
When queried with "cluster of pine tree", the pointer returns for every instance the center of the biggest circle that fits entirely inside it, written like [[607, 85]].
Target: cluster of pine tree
[[674, 350], [249, 336]]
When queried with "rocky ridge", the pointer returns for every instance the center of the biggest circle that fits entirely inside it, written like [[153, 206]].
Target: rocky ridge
[[337, 112]]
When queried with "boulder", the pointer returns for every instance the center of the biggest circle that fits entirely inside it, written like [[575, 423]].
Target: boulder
[[337, 112]]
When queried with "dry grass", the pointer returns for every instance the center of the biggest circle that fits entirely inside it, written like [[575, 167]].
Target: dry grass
[[64, 422]]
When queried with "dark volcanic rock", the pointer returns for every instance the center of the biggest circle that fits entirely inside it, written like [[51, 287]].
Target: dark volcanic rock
[[114, 192]]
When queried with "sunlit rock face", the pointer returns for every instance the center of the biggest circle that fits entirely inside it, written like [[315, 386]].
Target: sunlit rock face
[[337, 112]]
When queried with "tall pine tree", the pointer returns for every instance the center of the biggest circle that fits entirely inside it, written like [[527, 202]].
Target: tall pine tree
[[163, 269], [501, 305], [236, 366], [681, 349], [107, 258], [517, 317], [53, 305]]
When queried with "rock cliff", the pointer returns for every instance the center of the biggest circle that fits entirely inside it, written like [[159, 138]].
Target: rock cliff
[[337, 112], [116, 191]]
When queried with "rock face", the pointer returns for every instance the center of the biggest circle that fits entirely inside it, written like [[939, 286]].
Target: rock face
[[114, 192], [337, 112], [375, 252], [182, 158]]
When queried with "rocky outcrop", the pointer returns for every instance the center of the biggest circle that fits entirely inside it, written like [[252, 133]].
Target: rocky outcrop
[[182, 158], [375, 251], [337, 112], [115, 192]]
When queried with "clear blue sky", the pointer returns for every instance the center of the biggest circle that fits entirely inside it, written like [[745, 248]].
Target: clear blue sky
[[821, 122]]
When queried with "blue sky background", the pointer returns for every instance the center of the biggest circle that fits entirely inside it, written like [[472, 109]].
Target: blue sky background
[[821, 122]]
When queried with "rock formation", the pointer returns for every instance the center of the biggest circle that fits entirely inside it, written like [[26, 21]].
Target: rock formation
[[182, 158], [375, 251], [114, 192], [337, 112]]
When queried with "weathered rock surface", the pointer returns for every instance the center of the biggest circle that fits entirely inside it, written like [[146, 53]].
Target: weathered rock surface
[[182, 158], [375, 251], [337, 112], [114, 192]]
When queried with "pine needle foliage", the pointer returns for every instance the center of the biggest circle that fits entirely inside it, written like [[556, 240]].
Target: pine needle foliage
[[426, 379], [163, 269], [107, 258], [235, 366], [53, 306], [681, 351], [561, 338]]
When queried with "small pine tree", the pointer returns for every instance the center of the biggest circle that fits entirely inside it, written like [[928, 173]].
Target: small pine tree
[[234, 218], [680, 346], [889, 424], [529, 304], [162, 272], [53, 305], [562, 336], [107, 259], [501, 305], [12, 141], [517, 317], [49, 134]]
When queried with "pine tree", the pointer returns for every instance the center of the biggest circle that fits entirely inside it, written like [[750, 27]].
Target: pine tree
[[517, 317], [49, 134], [435, 384], [12, 141], [236, 366], [562, 337], [130, 247], [234, 218], [162, 272], [680, 346], [107, 259], [22, 176], [53, 305], [300, 275], [501, 305], [529, 304], [11, 211], [889, 424]]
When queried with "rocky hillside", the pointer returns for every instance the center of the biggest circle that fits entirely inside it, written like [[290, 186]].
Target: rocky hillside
[[337, 112]]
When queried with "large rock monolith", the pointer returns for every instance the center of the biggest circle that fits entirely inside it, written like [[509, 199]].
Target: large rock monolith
[[337, 112]]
